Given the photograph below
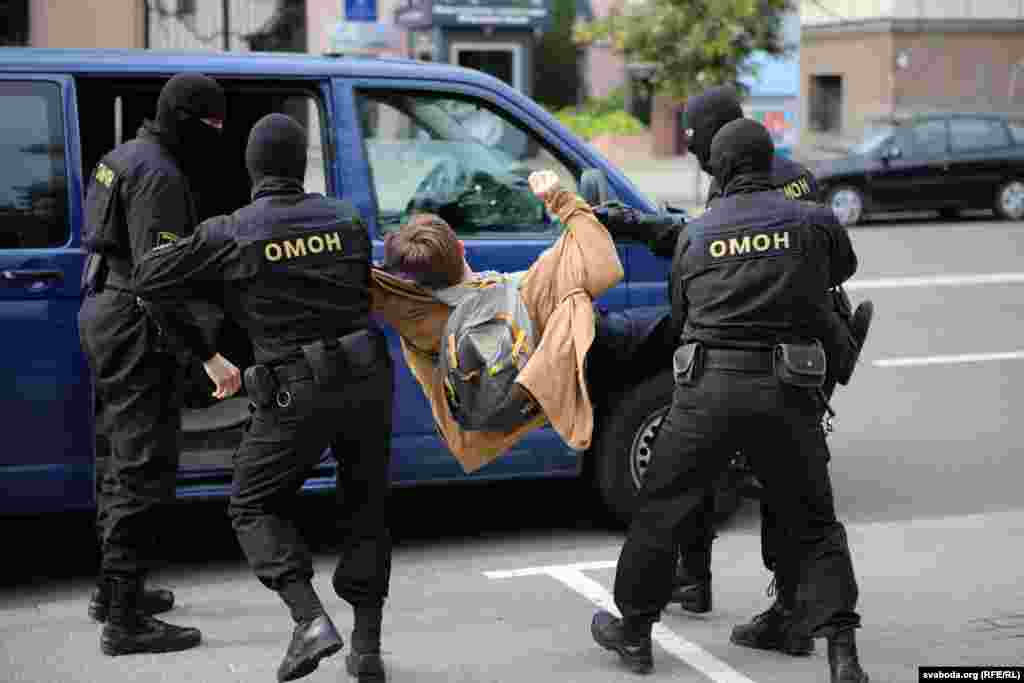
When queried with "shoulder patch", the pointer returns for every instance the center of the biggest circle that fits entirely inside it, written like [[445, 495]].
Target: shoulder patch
[[163, 238], [797, 188], [104, 175]]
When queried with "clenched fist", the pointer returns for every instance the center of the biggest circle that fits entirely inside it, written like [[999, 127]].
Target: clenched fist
[[544, 183]]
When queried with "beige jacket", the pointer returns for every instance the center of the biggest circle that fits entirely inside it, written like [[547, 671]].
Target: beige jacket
[[558, 291]]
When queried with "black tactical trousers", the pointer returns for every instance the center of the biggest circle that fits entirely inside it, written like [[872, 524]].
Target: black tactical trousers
[[695, 557], [778, 427], [280, 450], [138, 414]]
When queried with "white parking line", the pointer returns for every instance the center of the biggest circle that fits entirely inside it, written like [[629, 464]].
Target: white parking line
[[947, 360], [572, 576], [937, 281]]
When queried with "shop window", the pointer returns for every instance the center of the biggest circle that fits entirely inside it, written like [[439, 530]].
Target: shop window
[[455, 157], [13, 23], [826, 104]]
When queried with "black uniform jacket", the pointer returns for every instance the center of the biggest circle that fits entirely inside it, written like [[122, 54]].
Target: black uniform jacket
[[793, 180], [291, 268], [139, 199], [755, 271]]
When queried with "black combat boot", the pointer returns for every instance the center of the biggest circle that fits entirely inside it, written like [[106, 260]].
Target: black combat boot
[[843, 664], [129, 631], [633, 648], [363, 661], [311, 641], [690, 590], [152, 601], [770, 631]]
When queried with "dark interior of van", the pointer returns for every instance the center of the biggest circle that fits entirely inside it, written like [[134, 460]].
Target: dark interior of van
[[111, 110]]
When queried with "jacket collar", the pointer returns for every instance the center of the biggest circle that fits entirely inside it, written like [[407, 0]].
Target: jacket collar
[[276, 185]]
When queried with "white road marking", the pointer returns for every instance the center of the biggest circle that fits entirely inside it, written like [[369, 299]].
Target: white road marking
[[572, 576], [947, 360], [937, 281]]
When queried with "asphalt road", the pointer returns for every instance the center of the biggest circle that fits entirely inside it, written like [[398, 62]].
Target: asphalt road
[[498, 583]]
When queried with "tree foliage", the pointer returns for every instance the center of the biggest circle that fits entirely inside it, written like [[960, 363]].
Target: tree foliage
[[693, 44], [556, 68]]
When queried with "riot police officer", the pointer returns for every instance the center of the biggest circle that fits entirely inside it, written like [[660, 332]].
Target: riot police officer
[[294, 272], [706, 114], [139, 197], [750, 280]]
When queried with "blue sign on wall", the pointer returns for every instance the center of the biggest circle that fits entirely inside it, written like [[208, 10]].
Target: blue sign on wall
[[361, 10]]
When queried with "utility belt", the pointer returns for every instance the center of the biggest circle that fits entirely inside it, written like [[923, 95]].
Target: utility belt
[[800, 365], [330, 363]]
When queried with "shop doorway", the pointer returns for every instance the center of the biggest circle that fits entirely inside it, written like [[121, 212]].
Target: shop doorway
[[501, 60]]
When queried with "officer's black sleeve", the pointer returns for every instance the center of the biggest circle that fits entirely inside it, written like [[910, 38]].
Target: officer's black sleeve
[[663, 238], [158, 211], [190, 268], [842, 259]]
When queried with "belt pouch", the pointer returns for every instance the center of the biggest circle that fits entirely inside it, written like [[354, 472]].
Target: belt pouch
[[800, 365], [362, 352], [686, 364], [260, 384]]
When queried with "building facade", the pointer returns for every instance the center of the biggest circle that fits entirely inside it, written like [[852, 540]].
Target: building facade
[[862, 60]]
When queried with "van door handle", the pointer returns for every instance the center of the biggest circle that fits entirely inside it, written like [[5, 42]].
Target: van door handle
[[32, 275]]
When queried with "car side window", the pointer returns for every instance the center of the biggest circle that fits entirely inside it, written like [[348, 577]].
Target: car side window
[[930, 138], [33, 183], [455, 157], [977, 134]]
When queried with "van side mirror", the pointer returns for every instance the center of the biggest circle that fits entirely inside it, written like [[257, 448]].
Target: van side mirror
[[594, 186]]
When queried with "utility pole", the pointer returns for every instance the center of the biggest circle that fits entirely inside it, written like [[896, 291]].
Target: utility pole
[[226, 12]]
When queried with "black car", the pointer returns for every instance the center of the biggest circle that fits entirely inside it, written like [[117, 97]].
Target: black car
[[936, 162]]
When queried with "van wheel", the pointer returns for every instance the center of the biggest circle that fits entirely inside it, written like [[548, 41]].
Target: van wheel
[[623, 444], [1010, 200]]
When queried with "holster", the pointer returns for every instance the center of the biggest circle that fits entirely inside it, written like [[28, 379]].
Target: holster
[[94, 275], [334, 361], [261, 385], [800, 365], [686, 364]]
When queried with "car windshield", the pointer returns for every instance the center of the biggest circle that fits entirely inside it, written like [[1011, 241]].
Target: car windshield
[[873, 139]]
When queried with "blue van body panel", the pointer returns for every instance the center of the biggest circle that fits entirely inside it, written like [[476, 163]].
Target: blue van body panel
[[45, 389]]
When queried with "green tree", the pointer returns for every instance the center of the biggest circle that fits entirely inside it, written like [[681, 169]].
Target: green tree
[[693, 44], [556, 62]]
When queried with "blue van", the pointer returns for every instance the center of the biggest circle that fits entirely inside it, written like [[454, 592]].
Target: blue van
[[381, 132]]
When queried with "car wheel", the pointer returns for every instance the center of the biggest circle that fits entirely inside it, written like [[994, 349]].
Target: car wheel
[[847, 204], [1010, 200], [623, 444]]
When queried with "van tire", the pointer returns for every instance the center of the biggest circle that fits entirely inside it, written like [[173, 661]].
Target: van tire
[[622, 445]]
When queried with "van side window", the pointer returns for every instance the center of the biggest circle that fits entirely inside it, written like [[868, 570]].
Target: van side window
[[33, 178], [455, 157]]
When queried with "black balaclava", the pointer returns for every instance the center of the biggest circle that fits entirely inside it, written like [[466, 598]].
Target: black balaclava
[[276, 148], [741, 157], [706, 114], [185, 100]]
